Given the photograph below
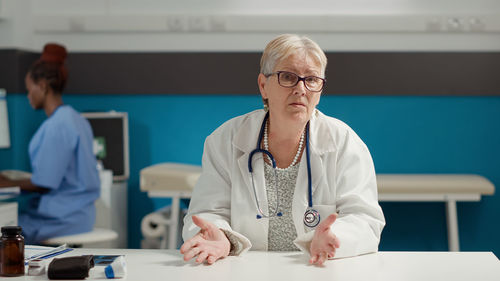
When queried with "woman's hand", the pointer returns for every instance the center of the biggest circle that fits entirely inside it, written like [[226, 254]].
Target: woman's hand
[[209, 244], [324, 242]]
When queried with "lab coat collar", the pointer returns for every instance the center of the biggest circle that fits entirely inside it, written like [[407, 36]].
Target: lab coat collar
[[248, 133], [321, 138]]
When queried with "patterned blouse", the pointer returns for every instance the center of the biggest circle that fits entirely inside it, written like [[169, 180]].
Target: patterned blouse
[[281, 229]]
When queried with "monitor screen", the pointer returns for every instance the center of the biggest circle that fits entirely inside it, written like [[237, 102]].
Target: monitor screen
[[111, 141]]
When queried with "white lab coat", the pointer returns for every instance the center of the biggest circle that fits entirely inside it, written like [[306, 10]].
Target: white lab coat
[[343, 181]]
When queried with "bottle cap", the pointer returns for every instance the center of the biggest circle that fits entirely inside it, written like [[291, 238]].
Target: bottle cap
[[117, 269], [11, 230]]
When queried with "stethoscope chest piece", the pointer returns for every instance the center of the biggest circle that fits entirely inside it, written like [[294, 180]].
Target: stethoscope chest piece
[[311, 218]]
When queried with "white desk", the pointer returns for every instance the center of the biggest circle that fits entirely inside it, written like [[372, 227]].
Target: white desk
[[164, 265], [177, 181]]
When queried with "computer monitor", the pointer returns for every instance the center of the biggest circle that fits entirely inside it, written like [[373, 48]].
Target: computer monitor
[[111, 141], [4, 121]]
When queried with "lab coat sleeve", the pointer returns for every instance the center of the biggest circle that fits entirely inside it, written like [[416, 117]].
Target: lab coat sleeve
[[360, 219], [211, 199]]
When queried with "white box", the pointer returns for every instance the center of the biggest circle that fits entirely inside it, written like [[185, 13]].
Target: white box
[[8, 213]]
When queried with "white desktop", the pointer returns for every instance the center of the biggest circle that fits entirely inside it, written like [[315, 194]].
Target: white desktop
[[163, 265]]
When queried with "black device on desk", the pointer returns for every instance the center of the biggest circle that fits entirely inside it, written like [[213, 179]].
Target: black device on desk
[[76, 267]]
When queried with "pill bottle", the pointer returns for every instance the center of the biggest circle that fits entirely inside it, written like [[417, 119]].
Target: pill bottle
[[11, 251]]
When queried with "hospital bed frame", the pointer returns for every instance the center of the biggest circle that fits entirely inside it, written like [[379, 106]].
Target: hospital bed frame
[[177, 181]]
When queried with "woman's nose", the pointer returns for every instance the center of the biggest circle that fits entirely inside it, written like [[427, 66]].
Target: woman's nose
[[300, 88]]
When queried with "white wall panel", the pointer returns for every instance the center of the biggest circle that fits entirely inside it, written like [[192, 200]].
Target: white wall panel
[[236, 25]]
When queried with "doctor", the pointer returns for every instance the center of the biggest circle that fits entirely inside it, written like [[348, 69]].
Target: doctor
[[287, 177]]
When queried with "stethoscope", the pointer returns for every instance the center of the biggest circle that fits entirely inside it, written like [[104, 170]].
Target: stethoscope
[[311, 216]]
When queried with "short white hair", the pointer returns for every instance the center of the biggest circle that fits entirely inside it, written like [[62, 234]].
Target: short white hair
[[283, 46]]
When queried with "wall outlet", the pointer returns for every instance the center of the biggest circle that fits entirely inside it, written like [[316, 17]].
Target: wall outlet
[[177, 23]]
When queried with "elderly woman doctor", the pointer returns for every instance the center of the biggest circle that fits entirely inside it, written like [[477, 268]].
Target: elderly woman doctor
[[287, 177]]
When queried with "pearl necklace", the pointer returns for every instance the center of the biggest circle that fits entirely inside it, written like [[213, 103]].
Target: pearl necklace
[[266, 147]]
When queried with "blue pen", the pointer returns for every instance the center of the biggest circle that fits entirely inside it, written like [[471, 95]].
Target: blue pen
[[54, 252]]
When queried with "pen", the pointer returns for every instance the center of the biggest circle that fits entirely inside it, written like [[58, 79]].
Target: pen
[[53, 251]]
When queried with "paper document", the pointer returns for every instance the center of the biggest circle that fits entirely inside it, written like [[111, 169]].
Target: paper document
[[32, 252], [9, 192]]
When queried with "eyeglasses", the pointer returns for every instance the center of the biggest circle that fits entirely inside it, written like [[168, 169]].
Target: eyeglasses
[[289, 80]]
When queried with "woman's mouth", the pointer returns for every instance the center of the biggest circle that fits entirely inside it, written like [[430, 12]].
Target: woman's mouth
[[298, 104]]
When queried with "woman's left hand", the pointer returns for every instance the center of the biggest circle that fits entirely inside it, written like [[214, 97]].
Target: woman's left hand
[[324, 242]]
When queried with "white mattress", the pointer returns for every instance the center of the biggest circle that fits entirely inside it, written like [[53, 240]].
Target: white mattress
[[182, 177]]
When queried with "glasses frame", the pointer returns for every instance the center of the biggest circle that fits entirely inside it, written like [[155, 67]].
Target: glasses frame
[[298, 80]]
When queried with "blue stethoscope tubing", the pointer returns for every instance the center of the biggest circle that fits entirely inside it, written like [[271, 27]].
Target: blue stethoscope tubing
[[311, 216]]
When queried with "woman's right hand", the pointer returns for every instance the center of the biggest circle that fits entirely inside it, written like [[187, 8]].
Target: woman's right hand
[[210, 244]]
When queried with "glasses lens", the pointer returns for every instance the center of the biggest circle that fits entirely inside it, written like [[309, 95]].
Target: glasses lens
[[287, 79], [314, 83]]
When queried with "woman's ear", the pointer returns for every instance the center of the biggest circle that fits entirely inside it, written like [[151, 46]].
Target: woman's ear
[[43, 85], [262, 80]]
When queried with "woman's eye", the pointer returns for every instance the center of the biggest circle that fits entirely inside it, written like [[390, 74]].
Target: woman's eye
[[288, 76]]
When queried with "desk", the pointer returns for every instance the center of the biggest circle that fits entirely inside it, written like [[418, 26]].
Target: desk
[[177, 181], [164, 265]]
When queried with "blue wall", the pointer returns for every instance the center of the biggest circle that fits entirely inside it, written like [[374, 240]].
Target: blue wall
[[404, 134]]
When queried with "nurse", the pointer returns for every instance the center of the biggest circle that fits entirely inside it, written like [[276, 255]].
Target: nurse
[[287, 177], [65, 181]]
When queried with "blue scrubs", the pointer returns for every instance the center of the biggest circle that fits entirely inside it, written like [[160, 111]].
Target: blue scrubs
[[62, 160]]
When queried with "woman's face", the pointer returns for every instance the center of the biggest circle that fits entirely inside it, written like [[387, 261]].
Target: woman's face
[[36, 92], [296, 103]]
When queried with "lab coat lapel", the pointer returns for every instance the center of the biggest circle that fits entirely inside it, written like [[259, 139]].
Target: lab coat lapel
[[300, 197], [299, 203], [316, 170], [258, 177], [246, 141], [321, 142], [245, 174]]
